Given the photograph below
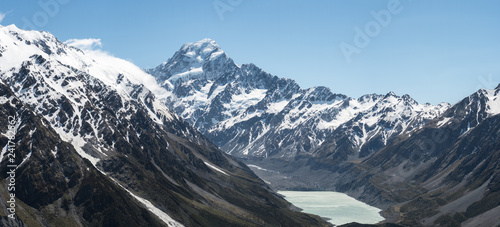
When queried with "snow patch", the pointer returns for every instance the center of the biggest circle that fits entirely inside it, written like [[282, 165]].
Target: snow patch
[[493, 104], [3, 100], [277, 107], [260, 168], [216, 54], [25, 159], [187, 75], [215, 168], [4, 150], [444, 121], [159, 213]]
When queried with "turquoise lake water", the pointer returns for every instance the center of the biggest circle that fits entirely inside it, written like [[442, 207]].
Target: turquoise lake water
[[339, 207]]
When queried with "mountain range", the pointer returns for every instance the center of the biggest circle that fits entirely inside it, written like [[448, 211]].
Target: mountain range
[[101, 142], [95, 145], [250, 113], [423, 164]]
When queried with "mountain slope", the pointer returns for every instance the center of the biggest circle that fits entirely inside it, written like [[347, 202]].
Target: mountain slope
[[53, 184], [110, 112], [446, 173]]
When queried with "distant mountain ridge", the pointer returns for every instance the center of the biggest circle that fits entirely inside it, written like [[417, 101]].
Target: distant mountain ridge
[[447, 173], [250, 113]]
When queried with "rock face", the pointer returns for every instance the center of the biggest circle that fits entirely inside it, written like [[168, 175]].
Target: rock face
[[423, 164], [99, 148]]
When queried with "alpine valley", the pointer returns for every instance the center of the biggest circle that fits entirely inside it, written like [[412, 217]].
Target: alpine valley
[[423, 164], [100, 142]]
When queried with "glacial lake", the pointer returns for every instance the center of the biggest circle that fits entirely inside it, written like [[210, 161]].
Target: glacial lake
[[338, 207]]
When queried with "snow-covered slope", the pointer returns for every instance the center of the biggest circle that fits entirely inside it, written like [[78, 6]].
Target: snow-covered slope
[[472, 110], [59, 81], [248, 112]]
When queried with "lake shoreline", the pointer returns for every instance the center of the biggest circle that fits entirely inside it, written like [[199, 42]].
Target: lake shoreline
[[335, 207]]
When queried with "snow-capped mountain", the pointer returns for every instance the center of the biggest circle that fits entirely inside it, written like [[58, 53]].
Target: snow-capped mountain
[[108, 111], [423, 164], [447, 173], [250, 113]]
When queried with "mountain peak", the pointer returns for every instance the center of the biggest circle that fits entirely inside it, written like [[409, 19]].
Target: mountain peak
[[203, 48], [193, 60], [9, 27], [391, 93], [205, 41]]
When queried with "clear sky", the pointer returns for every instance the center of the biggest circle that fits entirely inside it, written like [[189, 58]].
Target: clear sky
[[432, 50]]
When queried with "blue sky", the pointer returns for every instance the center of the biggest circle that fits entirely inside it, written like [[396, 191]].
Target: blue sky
[[432, 50]]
